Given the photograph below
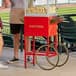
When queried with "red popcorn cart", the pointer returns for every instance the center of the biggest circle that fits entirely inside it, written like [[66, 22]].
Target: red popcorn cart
[[39, 26], [40, 20]]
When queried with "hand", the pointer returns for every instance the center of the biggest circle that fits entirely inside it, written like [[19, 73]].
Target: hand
[[56, 19]]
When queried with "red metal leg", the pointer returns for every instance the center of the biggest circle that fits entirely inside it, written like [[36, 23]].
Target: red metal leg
[[33, 50], [25, 62]]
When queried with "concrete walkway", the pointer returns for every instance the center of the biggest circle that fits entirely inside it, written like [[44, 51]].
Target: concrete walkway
[[17, 69]]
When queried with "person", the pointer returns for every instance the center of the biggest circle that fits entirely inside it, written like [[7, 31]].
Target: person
[[16, 23], [1, 45]]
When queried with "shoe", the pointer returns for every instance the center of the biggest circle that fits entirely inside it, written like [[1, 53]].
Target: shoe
[[13, 60], [2, 66], [29, 59]]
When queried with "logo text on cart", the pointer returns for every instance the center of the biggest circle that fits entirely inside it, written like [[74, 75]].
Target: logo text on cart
[[36, 26]]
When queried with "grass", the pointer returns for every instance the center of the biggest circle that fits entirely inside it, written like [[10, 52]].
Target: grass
[[68, 10]]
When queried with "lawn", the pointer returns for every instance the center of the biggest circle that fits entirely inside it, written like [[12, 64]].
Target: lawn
[[69, 10]]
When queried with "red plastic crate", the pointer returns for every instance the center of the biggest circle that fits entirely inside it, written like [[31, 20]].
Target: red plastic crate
[[39, 26]]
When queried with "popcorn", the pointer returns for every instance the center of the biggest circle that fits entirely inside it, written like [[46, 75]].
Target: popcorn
[[36, 10], [41, 10]]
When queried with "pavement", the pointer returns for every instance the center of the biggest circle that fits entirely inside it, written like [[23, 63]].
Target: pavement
[[17, 69]]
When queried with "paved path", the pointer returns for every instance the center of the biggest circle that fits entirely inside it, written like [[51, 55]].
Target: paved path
[[18, 69]]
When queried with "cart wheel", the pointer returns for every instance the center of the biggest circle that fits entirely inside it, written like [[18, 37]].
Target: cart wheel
[[63, 55], [51, 55]]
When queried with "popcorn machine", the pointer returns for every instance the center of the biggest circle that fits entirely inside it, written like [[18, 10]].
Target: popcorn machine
[[39, 21]]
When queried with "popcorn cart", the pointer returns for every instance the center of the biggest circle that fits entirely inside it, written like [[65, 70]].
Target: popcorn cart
[[39, 21]]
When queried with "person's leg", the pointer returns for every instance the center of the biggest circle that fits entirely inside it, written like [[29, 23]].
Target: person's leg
[[1, 43], [15, 30], [1, 48], [16, 42]]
